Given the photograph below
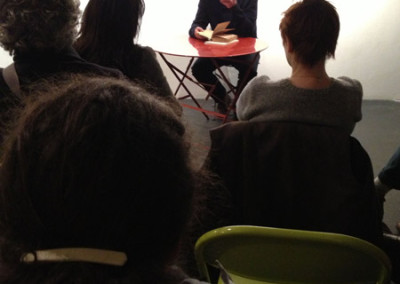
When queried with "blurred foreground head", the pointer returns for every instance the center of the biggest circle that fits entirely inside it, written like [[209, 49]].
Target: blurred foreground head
[[95, 163]]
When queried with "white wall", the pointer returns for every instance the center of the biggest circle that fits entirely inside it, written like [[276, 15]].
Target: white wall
[[368, 47], [5, 59]]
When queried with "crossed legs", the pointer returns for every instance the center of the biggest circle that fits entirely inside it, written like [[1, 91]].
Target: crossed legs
[[203, 70]]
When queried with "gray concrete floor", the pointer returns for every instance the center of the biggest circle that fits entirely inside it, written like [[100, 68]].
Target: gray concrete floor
[[378, 132]]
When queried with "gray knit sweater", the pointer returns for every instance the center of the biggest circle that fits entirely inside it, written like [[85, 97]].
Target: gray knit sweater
[[339, 105]]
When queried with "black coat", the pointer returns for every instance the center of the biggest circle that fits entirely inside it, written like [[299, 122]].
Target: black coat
[[296, 175], [33, 67]]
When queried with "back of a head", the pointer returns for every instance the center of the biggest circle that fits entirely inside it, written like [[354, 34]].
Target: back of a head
[[313, 27], [37, 26], [108, 30], [99, 164]]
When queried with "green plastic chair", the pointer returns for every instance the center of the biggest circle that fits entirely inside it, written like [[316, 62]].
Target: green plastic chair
[[255, 255]]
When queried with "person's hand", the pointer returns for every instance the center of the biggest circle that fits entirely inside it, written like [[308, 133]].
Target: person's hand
[[196, 33], [228, 3]]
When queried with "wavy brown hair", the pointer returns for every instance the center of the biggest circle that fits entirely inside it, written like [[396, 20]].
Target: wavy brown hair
[[37, 26]]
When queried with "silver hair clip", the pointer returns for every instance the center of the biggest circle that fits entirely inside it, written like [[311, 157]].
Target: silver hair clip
[[92, 255]]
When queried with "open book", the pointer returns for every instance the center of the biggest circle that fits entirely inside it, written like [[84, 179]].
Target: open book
[[219, 35]]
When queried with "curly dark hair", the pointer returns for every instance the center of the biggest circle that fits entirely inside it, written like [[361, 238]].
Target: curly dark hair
[[97, 163], [31, 25]]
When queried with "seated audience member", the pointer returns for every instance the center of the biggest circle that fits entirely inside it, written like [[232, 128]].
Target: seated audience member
[[309, 31], [39, 36], [291, 162], [389, 177], [78, 200], [107, 37]]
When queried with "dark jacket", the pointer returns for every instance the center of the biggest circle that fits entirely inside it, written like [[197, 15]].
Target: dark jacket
[[243, 16], [32, 68], [140, 64], [296, 175]]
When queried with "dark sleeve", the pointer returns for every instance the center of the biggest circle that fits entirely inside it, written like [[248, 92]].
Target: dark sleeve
[[8, 104], [202, 18], [4, 90], [153, 74], [155, 80], [244, 17], [390, 174], [361, 166]]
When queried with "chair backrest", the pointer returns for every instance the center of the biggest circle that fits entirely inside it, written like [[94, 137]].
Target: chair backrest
[[253, 254], [296, 175]]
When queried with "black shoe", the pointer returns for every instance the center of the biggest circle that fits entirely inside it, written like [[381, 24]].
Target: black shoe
[[223, 106]]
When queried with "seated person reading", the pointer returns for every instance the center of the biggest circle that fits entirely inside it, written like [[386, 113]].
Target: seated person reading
[[242, 15]]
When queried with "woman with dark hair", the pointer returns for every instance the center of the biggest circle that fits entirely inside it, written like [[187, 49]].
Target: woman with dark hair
[[79, 202], [107, 36], [309, 30]]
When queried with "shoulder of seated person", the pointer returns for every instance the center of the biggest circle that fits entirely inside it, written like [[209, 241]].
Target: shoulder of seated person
[[144, 49], [347, 81]]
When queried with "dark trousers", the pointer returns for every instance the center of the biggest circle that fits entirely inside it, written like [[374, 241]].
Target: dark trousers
[[203, 69], [390, 174]]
